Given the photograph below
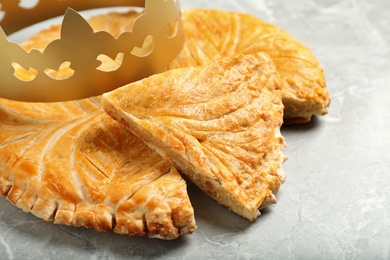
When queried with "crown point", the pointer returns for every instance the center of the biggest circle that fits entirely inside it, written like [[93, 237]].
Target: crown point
[[73, 23]]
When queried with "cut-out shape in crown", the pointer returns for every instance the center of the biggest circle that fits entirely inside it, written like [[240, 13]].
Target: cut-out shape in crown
[[72, 67]]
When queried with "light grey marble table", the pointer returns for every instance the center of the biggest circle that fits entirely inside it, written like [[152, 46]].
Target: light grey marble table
[[335, 203]]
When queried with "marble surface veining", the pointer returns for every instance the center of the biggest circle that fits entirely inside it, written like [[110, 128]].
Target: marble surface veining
[[335, 203]]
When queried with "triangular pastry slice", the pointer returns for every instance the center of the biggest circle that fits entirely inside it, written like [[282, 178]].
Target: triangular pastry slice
[[71, 163], [218, 123], [214, 34]]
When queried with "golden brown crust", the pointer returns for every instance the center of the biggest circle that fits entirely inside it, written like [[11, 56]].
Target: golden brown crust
[[213, 34], [70, 163], [218, 123]]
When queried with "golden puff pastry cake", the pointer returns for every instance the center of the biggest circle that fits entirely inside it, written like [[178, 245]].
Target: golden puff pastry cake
[[71, 163], [213, 34], [219, 124]]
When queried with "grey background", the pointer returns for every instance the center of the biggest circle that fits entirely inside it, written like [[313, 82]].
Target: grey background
[[335, 203]]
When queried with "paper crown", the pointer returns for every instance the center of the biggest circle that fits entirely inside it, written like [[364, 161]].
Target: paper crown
[[71, 68]]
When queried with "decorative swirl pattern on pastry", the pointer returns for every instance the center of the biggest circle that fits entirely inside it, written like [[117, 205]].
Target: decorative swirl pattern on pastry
[[214, 34], [69, 162]]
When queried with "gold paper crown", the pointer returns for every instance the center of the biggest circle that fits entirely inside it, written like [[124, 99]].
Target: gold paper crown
[[155, 40]]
